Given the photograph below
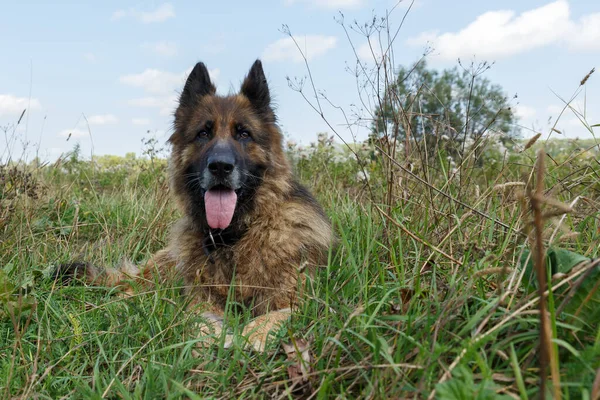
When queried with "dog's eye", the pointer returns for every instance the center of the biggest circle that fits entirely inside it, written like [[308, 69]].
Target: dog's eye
[[243, 134], [202, 134]]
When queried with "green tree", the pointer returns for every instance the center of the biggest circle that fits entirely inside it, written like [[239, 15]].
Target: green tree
[[457, 103]]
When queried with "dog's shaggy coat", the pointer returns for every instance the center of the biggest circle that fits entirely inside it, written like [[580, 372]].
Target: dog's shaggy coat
[[230, 148]]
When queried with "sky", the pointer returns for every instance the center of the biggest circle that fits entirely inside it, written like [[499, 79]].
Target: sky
[[103, 74]]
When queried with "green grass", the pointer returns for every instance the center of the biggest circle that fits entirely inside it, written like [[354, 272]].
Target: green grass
[[390, 316]]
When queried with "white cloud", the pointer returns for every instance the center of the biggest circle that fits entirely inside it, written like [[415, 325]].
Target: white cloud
[[149, 102], [10, 104], [586, 35], [90, 57], [570, 123], [165, 104], [154, 81], [370, 50], [140, 121], [213, 73], [312, 46], [160, 14], [576, 106], [162, 48], [503, 33], [118, 15], [554, 110], [524, 112], [105, 119], [572, 127], [163, 12], [73, 133], [162, 85], [161, 82], [335, 4]]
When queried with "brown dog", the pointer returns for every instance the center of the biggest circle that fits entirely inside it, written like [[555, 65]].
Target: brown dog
[[247, 223]]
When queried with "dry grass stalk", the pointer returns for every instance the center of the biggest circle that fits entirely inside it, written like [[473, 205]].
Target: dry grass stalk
[[532, 141], [491, 271], [596, 386], [502, 186], [537, 199], [418, 239], [585, 78]]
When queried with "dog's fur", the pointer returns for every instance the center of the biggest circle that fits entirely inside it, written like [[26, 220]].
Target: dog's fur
[[278, 232]]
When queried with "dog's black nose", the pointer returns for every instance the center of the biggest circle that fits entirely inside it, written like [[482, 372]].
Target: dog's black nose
[[221, 165]]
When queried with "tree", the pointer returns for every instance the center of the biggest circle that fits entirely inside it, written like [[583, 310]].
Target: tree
[[422, 102]]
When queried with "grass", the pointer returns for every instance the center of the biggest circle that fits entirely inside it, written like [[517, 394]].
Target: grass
[[424, 296]]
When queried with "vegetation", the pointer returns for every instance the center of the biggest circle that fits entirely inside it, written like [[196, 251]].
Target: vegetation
[[425, 295], [455, 103]]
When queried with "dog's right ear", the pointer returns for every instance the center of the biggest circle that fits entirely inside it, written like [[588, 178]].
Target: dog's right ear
[[198, 84]]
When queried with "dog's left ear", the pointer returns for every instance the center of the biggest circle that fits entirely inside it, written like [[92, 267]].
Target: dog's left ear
[[256, 89]]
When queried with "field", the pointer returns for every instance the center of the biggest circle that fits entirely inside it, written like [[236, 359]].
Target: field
[[429, 293]]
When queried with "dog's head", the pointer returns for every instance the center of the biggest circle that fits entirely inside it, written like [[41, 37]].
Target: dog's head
[[223, 146]]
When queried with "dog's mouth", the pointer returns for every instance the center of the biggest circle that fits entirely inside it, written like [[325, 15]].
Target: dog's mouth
[[219, 203]]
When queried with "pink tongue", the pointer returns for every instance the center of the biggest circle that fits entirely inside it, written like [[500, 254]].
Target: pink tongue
[[219, 204]]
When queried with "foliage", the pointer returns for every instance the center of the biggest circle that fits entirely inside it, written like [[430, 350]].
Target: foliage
[[455, 104], [581, 297]]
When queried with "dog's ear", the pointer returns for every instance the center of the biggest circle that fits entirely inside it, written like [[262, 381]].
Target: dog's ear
[[256, 89], [198, 84]]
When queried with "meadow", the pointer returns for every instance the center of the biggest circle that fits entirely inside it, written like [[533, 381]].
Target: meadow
[[431, 292], [466, 264]]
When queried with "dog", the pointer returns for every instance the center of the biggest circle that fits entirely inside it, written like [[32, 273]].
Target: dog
[[249, 229]]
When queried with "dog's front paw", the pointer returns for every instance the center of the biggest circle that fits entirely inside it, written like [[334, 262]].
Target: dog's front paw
[[258, 331], [209, 330]]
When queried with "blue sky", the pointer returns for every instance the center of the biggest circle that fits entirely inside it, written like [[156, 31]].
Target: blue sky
[[121, 64]]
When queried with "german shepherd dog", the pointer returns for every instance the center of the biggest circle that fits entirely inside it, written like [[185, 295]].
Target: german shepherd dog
[[248, 227]]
